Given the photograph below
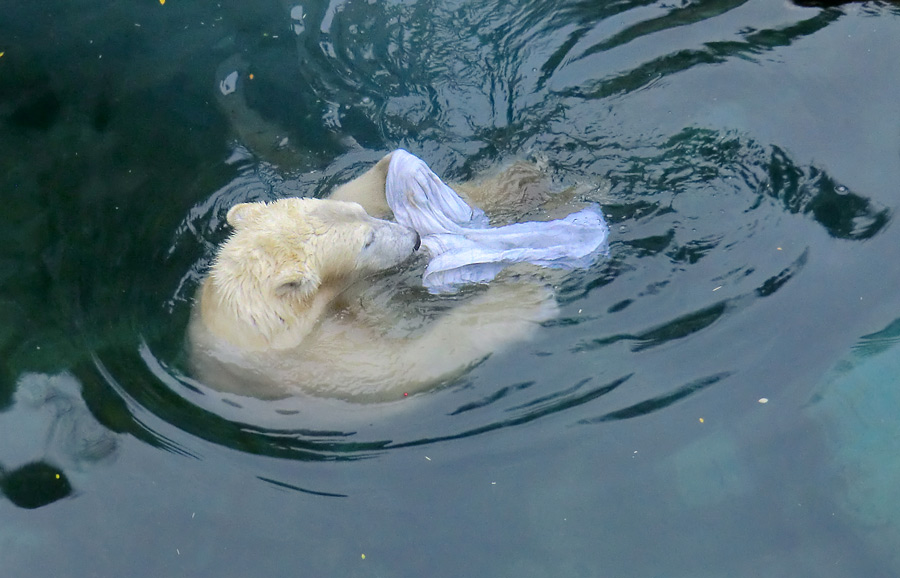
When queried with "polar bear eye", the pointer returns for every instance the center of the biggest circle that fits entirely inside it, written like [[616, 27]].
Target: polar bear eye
[[370, 238]]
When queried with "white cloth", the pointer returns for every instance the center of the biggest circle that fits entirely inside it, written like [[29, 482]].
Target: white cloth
[[463, 246]]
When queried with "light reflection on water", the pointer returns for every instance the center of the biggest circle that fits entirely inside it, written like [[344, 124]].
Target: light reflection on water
[[747, 254]]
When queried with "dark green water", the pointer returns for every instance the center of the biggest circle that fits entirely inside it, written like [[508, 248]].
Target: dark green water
[[747, 154]]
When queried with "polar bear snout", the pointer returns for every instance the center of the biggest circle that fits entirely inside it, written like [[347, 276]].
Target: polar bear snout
[[389, 244]]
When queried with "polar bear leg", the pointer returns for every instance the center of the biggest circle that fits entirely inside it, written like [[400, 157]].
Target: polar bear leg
[[505, 314], [368, 190]]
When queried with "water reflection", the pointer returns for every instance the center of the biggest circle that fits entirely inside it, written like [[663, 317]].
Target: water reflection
[[703, 160], [696, 196], [659, 402], [72, 430], [294, 488], [750, 43], [487, 77], [733, 191], [58, 433], [675, 329], [469, 86], [736, 255]]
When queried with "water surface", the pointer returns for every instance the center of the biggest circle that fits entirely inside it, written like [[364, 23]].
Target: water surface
[[746, 154]]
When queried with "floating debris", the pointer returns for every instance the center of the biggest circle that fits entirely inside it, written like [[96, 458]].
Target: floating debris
[[229, 84]]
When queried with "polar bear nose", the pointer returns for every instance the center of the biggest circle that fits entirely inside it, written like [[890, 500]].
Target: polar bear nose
[[418, 242]]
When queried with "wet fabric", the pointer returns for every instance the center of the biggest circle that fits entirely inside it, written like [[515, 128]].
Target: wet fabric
[[464, 247]]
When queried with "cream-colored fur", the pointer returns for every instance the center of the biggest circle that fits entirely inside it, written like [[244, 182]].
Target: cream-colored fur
[[283, 310]]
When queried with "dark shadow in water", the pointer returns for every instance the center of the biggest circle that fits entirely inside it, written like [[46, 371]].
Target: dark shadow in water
[[835, 3], [556, 403], [811, 191], [700, 158], [496, 396], [652, 245], [586, 15], [659, 402], [867, 347], [39, 110], [133, 409], [675, 329], [691, 323], [302, 490], [34, 485], [774, 283], [675, 18], [13, 333], [875, 343], [754, 42], [555, 398]]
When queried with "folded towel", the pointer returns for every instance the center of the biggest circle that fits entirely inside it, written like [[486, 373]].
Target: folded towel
[[465, 248]]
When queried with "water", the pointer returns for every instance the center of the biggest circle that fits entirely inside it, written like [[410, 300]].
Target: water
[[745, 153]]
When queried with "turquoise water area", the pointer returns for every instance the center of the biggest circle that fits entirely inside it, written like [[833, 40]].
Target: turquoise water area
[[718, 398]]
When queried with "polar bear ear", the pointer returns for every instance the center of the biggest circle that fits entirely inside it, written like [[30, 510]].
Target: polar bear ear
[[239, 214], [297, 283]]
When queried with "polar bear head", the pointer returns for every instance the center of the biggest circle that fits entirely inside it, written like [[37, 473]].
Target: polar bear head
[[287, 259]]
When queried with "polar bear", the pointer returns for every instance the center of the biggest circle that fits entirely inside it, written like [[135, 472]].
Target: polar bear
[[281, 312]]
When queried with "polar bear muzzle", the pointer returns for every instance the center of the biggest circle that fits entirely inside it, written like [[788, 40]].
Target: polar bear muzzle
[[387, 245]]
